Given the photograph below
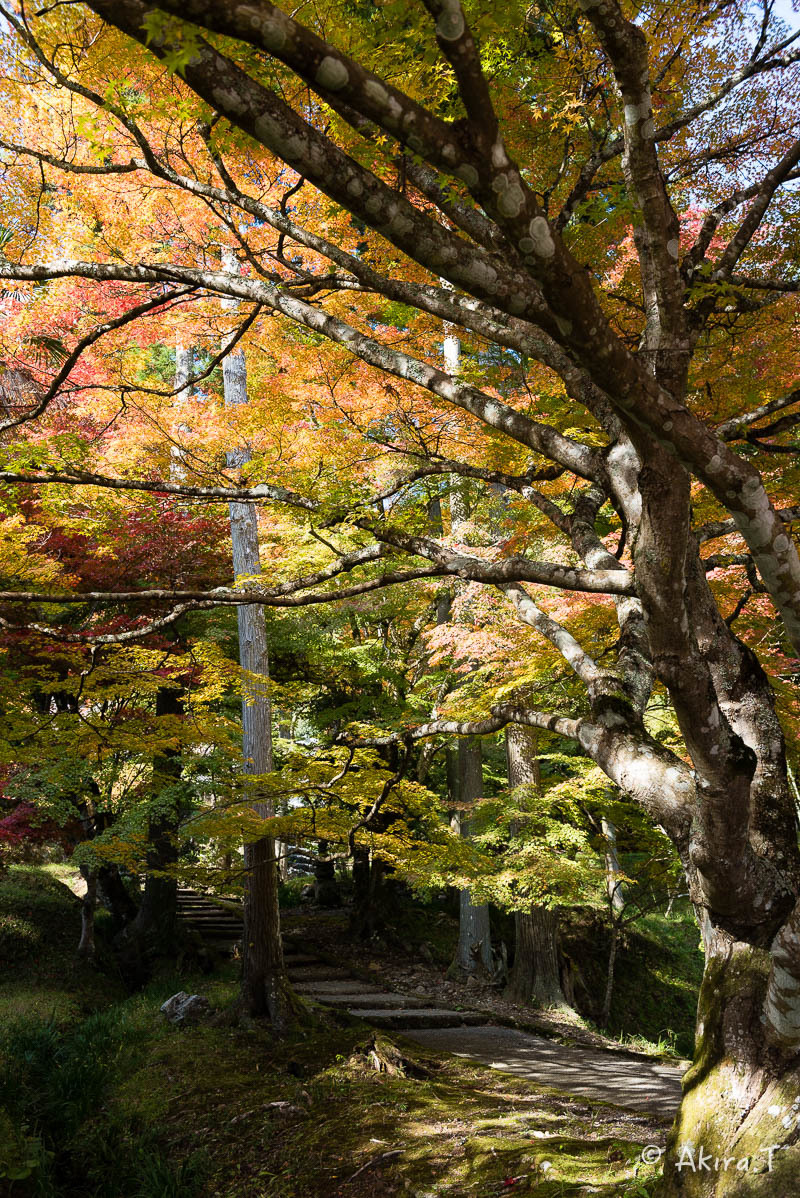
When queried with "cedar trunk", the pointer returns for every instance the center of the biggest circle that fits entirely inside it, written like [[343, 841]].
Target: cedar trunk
[[474, 950], [536, 972], [265, 987]]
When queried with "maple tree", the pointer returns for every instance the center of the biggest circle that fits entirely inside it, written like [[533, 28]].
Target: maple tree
[[600, 201]]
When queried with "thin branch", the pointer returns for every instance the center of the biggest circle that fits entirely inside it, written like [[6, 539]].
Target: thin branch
[[732, 429], [502, 715], [721, 528]]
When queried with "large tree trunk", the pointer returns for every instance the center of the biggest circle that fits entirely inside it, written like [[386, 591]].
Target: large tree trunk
[[536, 972], [473, 957], [740, 852], [114, 896], [265, 987], [741, 1095]]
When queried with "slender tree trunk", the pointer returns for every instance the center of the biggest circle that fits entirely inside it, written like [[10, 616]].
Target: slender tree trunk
[[474, 950], [184, 360], [614, 887], [377, 891], [473, 957], [616, 905], [86, 945], [360, 891], [154, 930], [536, 973], [605, 1014], [265, 987]]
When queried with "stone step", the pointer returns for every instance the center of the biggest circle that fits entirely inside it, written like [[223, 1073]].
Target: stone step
[[210, 917], [316, 973], [194, 905], [409, 1017], [332, 986], [207, 907], [211, 926], [187, 899], [372, 1002]]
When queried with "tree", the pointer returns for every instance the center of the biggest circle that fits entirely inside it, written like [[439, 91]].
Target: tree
[[536, 973], [620, 241], [265, 987], [473, 954]]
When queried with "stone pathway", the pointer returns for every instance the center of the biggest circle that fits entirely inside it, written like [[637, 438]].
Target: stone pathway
[[219, 927], [640, 1083], [313, 978]]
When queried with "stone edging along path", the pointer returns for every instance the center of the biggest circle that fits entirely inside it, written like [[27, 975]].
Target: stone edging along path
[[640, 1083]]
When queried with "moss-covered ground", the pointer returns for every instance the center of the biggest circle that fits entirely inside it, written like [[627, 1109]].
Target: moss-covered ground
[[103, 1098]]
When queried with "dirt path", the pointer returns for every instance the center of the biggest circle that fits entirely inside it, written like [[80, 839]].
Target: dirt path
[[640, 1084]]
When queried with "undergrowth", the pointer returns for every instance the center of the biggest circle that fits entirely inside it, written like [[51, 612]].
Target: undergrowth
[[113, 1102]]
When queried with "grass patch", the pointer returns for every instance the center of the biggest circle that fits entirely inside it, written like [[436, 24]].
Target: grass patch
[[657, 977], [42, 977], [59, 1092]]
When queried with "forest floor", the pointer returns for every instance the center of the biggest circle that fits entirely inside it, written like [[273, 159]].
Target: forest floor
[[100, 1096]]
